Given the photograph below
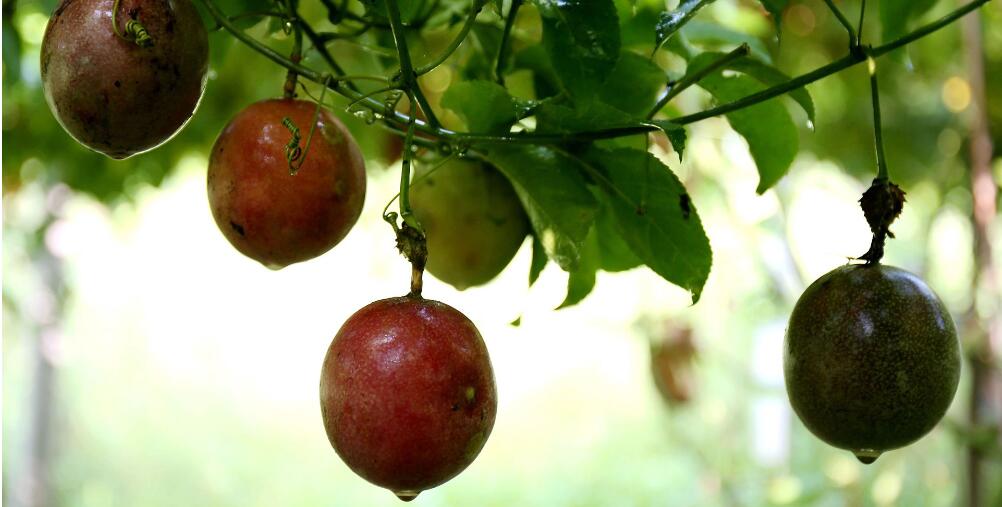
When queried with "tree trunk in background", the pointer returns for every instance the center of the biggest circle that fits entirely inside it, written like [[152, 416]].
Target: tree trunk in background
[[984, 330], [32, 481]]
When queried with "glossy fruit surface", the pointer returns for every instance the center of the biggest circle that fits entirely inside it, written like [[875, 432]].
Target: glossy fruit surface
[[473, 220], [269, 214], [871, 359], [109, 93], [407, 394]]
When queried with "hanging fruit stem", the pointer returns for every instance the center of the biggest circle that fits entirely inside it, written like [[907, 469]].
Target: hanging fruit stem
[[883, 201]]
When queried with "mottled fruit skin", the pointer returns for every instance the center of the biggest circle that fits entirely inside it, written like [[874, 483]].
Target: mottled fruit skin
[[871, 358], [112, 95], [407, 393], [270, 215], [473, 220]]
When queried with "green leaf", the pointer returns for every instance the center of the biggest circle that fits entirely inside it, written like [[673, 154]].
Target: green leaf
[[656, 218], [539, 260], [771, 134], [581, 280], [676, 135], [762, 72], [481, 63], [633, 85], [775, 8], [582, 39], [896, 14], [485, 106], [545, 80], [614, 253], [554, 118], [671, 22], [771, 76], [410, 10], [706, 34], [555, 195]]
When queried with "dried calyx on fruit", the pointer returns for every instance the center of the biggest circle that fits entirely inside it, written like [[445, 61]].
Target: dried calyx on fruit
[[882, 204]]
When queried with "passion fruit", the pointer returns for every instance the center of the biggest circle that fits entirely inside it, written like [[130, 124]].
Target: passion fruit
[[474, 221], [121, 94], [407, 394], [871, 359], [267, 213]]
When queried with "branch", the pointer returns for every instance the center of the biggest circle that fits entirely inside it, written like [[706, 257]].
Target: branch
[[402, 121], [691, 79], [843, 63], [853, 38], [407, 75], [505, 36]]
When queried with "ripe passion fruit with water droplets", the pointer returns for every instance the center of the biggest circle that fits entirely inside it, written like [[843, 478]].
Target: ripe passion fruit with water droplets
[[871, 359], [407, 394]]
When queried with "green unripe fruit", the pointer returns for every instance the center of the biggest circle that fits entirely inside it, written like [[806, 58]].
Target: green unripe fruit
[[871, 359], [473, 220]]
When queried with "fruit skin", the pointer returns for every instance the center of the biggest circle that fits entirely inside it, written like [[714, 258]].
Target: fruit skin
[[407, 393], [871, 358], [112, 95], [473, 220], [266, 213]]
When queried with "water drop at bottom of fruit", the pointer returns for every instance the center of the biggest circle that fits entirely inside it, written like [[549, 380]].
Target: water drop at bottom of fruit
[[866, 456], [406, 495]]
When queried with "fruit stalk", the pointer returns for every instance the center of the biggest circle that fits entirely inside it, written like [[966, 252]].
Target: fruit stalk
[[408, 77], [509, 23], [883, 201], [297, 49], [878, 135]]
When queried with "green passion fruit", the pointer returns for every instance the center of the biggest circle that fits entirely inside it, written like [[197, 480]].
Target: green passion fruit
[[871, 359], [473, 219]]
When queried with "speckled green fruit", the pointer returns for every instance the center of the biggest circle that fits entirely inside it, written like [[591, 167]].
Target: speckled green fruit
[[473, 220], [871, 359]]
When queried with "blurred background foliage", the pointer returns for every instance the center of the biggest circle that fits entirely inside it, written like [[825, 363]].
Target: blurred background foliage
[[147, 363]]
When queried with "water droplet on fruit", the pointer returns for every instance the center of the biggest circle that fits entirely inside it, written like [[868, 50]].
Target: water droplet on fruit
[[406, 495], [866, 456], [273, 267]]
